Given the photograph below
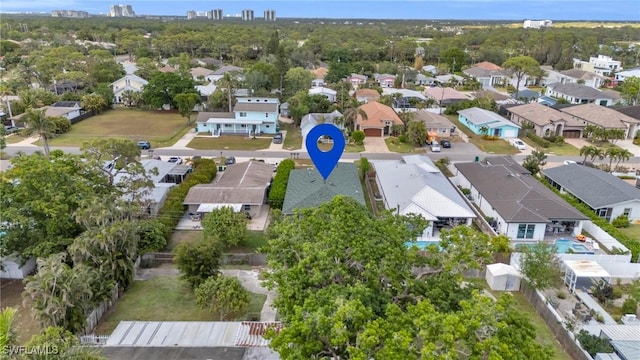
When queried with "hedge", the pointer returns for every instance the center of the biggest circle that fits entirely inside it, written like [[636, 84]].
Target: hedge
[[538, 140], [278, 188], [204, 171], [632, 244]]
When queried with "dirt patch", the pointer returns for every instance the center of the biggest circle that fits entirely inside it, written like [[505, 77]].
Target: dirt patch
[[23, 323]]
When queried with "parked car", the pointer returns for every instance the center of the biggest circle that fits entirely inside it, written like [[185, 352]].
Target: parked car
[[175, 159], [435, 146], [277, 138], [446, 144], [144, 145], [519, 144], [11, 129], [230, 160]]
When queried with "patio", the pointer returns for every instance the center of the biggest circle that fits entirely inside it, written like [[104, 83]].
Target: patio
[[193, 221]]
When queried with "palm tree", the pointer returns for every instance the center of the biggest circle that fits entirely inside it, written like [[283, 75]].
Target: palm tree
[[596, 153], [40, 124], [612, 153], [229, 82], [351, 117], [484, 130], [586, 151], [623, 155], [7, 335]]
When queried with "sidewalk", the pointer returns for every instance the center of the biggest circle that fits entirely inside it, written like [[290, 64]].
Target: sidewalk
[[183, 142], [26, 142]]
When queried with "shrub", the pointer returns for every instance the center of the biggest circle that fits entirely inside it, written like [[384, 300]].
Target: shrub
[[593, 344], [617, 293], [223, 296], [490, 137], [198, 260], [365, 166], [561, 295], [278, 188], [630, 306], [538, 140], [621, 221], [402, 138], [358, 136]]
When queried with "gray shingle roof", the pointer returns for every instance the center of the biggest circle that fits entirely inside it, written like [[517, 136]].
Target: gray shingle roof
[[594, 187], [516, 196], [579, 91], [307, 189]]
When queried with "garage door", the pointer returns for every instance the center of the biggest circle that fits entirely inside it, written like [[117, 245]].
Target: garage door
[[509, 133], [373, 132], [571, 134]]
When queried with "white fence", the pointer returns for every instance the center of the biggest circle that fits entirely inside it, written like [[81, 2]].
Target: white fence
[[97, 313], [603, 237]]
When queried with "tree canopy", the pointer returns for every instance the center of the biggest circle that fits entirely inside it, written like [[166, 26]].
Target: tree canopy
[[163, 88]]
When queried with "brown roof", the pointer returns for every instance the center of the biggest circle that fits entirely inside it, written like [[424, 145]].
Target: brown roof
[[542, 115], [320, 72], [492, 94], [580, 74], [488, 65], [203, 116], [167, 68], [433, 121], [600, 115], [259, 107], [438, 94], [516, 195], [377, 114], [241, 183], [200, 71]]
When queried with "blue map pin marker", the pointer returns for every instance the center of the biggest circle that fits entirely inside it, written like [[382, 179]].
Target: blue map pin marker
[[325, 161]]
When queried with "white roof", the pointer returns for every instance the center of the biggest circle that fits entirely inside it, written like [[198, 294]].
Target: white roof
[[586, 268], [439, 205], [211, 207], [621, 332], [498, 269], [206, 90], [321, 91], [404, 92], [189, 334]]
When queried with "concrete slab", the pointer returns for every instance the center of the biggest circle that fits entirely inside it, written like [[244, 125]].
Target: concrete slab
[[375, 145]]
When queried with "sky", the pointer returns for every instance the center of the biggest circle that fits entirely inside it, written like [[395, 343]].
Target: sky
[[619, 10]]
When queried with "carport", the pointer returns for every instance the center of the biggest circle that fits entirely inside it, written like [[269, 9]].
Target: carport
[[576, 269]]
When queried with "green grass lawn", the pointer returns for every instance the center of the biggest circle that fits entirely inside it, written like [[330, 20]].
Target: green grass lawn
[[632, 231], [164, 298], [161, 128], [14, 138], [394, 145], [255, 239], [498, 146], [562, 149], [229, 143], [293, 140], [347, 148]]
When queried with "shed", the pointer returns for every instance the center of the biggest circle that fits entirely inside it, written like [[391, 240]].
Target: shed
[[503, 277], [11, 268]]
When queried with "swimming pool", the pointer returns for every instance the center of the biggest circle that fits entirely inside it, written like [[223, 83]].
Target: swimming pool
[[564, 246], [422, 245]]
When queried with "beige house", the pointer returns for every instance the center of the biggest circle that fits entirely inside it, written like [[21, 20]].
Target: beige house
[[604, 117], [546, 121], [436, 124]]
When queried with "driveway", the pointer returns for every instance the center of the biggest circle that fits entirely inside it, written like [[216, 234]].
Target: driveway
[[628, 144], [578, 143], [375, 145]]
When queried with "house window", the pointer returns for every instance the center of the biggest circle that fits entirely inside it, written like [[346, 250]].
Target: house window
[[525, 231], [627, 212], [266, 114], [227, 125], [243, 125], [243, 114]]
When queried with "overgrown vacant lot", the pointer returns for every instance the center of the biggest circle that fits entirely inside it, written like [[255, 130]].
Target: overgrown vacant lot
[[161, 128], [164, 298], [24, 324]]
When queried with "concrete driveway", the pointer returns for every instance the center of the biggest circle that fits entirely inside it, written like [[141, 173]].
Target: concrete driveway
[[375, 145], [628, 144]]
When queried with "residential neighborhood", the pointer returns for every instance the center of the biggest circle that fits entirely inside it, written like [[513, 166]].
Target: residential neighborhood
[[161, 197]]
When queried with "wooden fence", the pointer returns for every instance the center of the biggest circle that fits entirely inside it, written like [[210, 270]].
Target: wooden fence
[[97, 313]]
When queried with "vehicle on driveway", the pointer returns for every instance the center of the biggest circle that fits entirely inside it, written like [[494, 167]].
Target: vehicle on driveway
[[435, 146], [230, 160], [175, 159], [446, 144], [144, 145], [519, 144], [277, 138], [11, 129]]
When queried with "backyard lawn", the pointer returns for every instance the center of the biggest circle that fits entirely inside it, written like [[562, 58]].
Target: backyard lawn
[[632, 231], [394, 145], [161, 128], [230, 143], [164, 298], [255, 239], [498, 146]]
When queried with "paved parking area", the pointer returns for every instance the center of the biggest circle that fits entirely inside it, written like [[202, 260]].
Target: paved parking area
[[375, 145], [628, 144]]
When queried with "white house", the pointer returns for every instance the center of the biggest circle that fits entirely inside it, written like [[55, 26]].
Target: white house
[[414, 185], [250, 115], [128, 82], [330, 94], [579, 94], [536, 24], [202, 74], [601, 65], [310, 120], [623, 75], [521, 207], [607, 195]]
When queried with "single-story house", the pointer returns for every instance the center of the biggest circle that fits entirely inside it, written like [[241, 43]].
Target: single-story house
[[414, 185], [436, 124], [220, 340], [444, 96], [546, 120], [380, 118], [219, 73], [586, 78], [522, 208], [450, 78], [607, 195], [385, 80], [632, 111], [167, 69], [500, 99], [487, 77], [423, 80], [207, 61], [201, 74], [604, 117], [69, 113], [366, 95], [408, 98], [251, 115], [623, 75], [128, 82], [330, 94], [242, 186], [477, 120], [432, 69], [578, 94], [357, 80], [526, 95], [310, 120], [307, 189]]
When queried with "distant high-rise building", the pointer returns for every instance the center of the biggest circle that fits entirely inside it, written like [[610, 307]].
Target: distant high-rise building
[[537, 24], [269, 15], [70, 13], [247, 15], [215, 14], [191, 14], [121, 11]]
